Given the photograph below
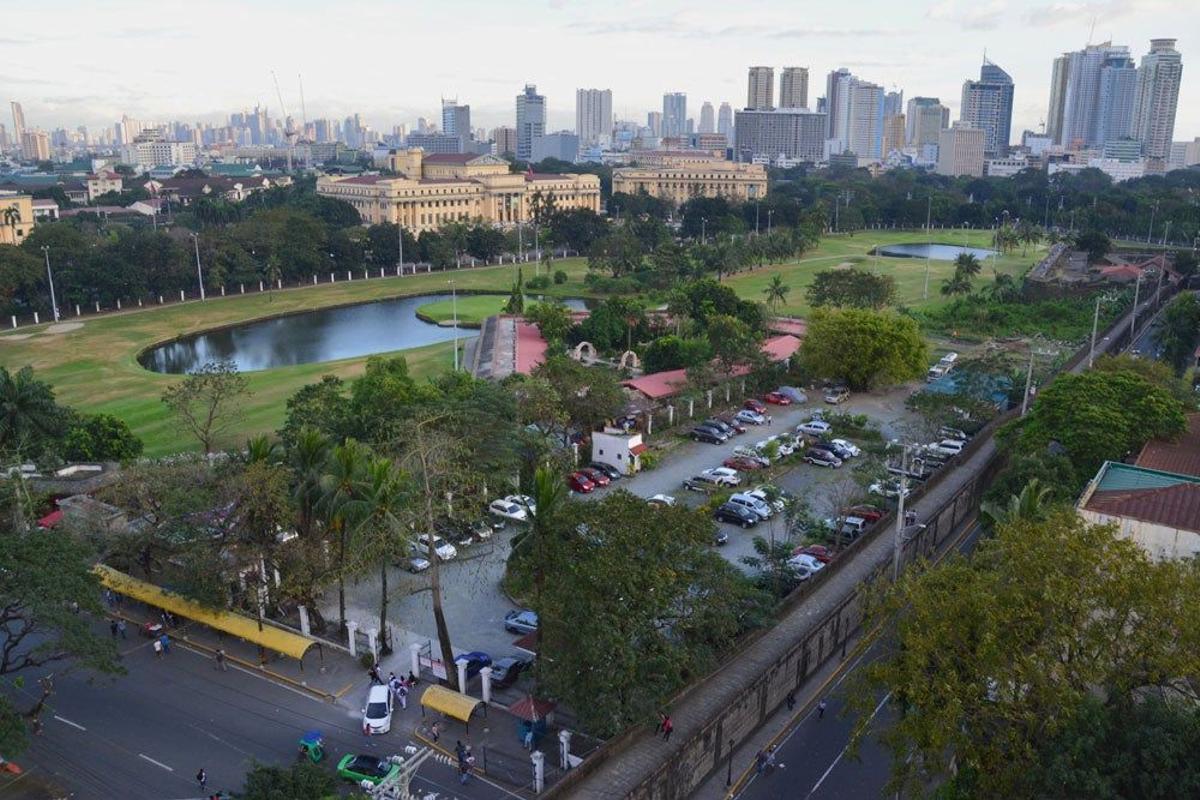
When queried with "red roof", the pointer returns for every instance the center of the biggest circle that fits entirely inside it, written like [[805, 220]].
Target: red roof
[[530, 347], [1181, 456], [51, 519], [531, 709], [1123, 272], [659, 385], [779, 348], [1175, 506]]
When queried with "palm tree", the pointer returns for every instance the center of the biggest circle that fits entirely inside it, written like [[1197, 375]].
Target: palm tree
[[307, 459], [12, 218], [379, 528], [260, 449], [957, 284], [1030, 505], [776, 291], [967, 264], [549, 494], [1028, 233], [27, 410], [342, 505], [1003, 288]]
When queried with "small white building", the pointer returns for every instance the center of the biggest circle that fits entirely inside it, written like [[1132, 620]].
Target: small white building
[[618, 448], [1158, 510]]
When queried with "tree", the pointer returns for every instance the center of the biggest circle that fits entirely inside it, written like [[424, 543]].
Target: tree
[[676, 352], [99, 437], [776, 292], [1095, 243], [577, 228], [1032, 638], [1177, 331], [553, 320], [864, 348], [29, 416], [1029, 506], [967, 264], [853, 288], [209, 401], [262, 509], [733, 344], [1185, 263], [320, 406], [1028, 232], [619, 252], [588, 396], [380, 529], [956, 284], [342, 507], [301, 781]]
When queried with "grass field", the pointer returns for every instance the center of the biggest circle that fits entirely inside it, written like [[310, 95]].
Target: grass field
[[472, 309], [95, 368]]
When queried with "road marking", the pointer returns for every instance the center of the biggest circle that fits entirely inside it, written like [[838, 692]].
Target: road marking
[[156, 763], [817, 785], [66, 721]]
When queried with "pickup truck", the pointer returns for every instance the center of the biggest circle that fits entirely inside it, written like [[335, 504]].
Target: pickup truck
[[707, 482]]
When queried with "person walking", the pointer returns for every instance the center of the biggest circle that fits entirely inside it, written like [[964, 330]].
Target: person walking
[[667, 728], [821, 709], [791, 700], [435, 730], [373, 674], [402, 695], [760, 762], [202, 779], [220, 659], [112, 628], [158, 648], [166, 643], [121, 628]]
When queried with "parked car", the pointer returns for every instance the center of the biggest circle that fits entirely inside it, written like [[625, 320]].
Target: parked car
[[524, 501], [459, 533], [868, 512], [505, 671], [736, 514], [851, 527], [947, 447], [359, 768], [720, 425], [748, 417], [761, 492], [946, 432], [849, 447], [830, 447], [710, 435], [835, 395], [664, 500], [795, 394], [578, 482], [818, 551], [415, 564], [703, 483], [742, 463], [612, 472], [475, 661], [822, 458], [377, 713], [525, 621], [815, 427], [777, 399], [731, 421], [596, 476], [445, 551], [508, 510], [807, 562], [756, 406], [729, 476], [763, 510], [888, 488], [753, 455], [481, 529], [720, 538]]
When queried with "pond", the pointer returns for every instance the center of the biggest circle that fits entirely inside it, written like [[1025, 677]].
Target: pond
[[326, 334], [937, 252]]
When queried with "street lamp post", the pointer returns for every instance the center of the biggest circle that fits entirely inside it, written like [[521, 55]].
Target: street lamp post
[[1095, 324], [400, 240], [50, 280], [1153, 211], [199, 272], [703, 229], [898, 540], [770, 214], [454, 307], [1137, 290]]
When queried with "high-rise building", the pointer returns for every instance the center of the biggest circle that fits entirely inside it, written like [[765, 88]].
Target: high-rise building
[[35, 146], [893, 133], [987, 104], [18, 115], [725, 121], [782, 134], [563, 146], [456, 119], [708, 121], [654, 121], [924, 119], [1157, 98], [531, 120], [1058, 97], [837, 89], [960, 150], [760, 88], [505, 139], [593, 116], [3, 137], [1117, 95], [893, 104], [864, 117], [674, 115], [1078, 82], [793, 87]]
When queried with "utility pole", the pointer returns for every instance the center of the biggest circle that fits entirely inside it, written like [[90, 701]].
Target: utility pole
[[1028, 382], [770, 213], [50, 280], [199, 272], [898, 541], [1095, 322], [1137, 288], [1153, 211], [400, 240], [928, 219]]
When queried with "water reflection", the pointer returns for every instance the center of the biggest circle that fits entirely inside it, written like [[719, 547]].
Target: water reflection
[[938, 252]]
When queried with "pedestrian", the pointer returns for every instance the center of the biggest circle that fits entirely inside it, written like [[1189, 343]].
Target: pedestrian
[[202, 778], [791, 700], [412, 679], [770, 419], [460, 751], [121, 628], [112, 628], [393, 682], [402, 696], [821, 709], [373, 674], [110, 598], [771, 757], [464, 771], [158, 648], [661, 719], [667, 728], [166, 643], [435, 730], [528, 739], [760, 762], [220, 658]]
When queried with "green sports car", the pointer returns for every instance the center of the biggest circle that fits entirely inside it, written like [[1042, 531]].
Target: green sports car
[[365, 768]]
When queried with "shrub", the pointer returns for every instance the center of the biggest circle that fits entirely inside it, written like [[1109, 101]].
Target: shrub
[[650, 459], [560, 277], [540, 282]]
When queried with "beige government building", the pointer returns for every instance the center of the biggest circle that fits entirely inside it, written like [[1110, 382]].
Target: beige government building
[[678, 180], [16, 224], [432, 190]]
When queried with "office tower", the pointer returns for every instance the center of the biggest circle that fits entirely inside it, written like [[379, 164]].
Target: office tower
[[1074, 117], [893, 104], [18, 115], [35, 146], [837, 88], [654, 121], [456, 119], [1058, 97], [531, 120], [3, 137], [725, 121], [987, 104], [792, 134], [760, 88], [563, 146], [893, 133], [505, 139], [593, 116], [925, 117], [674, 115], [793, 87], [864, 120], [708, 121], [1118, 94], [960, 150], [1157, 97]]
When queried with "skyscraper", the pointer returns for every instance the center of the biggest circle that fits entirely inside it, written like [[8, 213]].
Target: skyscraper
[[1074, 116], [1117, 96], [725, 121], [893, 104], [793, 87], [760, 88], [837, 88], [531, 120], [456, 119], [593, 116], [708, 122], [654, 121], [18, 115], [926, 116], [674, 114], [782, 134], [1157, 97], [1058, 97], [987, 104], [893, 133], [960, 150], [864, 118]]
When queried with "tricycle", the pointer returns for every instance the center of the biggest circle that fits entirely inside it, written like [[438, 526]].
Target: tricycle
[[312, 745]]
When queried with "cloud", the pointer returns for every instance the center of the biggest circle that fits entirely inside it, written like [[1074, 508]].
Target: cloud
[[835, 33], [154, 33], [669, 26], [1074, 13], [24, 80], [975, 18]]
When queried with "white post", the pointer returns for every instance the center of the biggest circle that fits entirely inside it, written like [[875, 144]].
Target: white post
[[366, 275], [381, 272], [539, 770], [486, 675], [414, 652], [222, 290], [349, 277], [564, 749], [709, 393], [14, 318], [242, 287], [670, 415], [77, 307], [180, 299], [351, 629], [260, 286], [314, 279], [373, 643], [279, 283], [118, 304], [649, 423], [304, 624], [462, 676], [35, 318], [98, 302], [160, 299], [691, 407], [727, 393]]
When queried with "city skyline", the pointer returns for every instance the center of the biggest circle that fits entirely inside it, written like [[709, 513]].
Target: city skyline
[[44, 69]]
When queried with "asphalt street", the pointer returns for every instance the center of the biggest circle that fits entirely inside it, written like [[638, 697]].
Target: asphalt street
[[143, 736]]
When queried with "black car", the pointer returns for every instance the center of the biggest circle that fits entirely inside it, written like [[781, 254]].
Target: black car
[[822, 458], [720, 538], [710, 435], [505, 671], [841, 452], [608, 469], [738, 515], [720, 425]]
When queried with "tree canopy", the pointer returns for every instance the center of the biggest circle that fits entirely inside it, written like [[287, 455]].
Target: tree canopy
[[864, 348], [854, 288]]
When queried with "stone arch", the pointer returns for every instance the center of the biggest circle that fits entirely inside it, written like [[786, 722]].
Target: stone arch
[[584, 352], [629, 359]]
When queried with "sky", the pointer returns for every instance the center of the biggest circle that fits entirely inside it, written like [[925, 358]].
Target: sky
[[79, 62]]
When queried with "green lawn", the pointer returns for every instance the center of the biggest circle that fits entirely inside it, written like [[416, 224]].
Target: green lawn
[[472, 309]]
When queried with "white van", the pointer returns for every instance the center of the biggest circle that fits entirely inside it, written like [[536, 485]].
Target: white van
[[753, 504]]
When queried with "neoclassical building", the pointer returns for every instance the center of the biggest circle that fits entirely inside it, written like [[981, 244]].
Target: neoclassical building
[[432, 190], [678, 181]]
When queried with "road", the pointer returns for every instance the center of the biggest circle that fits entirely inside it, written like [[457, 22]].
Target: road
[[813, 759], [143, 736]]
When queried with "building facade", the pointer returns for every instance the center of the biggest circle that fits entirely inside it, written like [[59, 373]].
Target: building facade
[[563, 146], [679, 182], [102, 183], [987, 104], [789, 134], [434, 190], [35, 146], [708, 119], [1117, 95], [925, 119], [893, 133], [505, 139], [18, 117], [674, 115], [14, 227], [725, 121], [760, 88], [1159, 76], [864, 120], [793, 87], [594, 117], [531, 120], [961, 151], [151, 150]]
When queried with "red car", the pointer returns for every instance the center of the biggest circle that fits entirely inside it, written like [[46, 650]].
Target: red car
[[741, 464], [775, 398], [818, 551], [578, 482], [869, 513], [755, 406], [595, 476]]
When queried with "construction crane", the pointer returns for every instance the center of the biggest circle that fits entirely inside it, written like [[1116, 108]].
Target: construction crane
[[289, 129], [304, 140]]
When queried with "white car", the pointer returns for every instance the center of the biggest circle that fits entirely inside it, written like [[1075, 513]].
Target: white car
[[805, 562], [752, 454], [445, 551], [725, 475], [760, 493], [662, 500], [524, 501], [947, 447], [815, 427], [849, 447], [750, 417], [747, 501], [377, 713], [888, 489], [508, 510]]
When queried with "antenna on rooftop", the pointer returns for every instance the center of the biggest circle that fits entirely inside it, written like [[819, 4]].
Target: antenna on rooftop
[[1092, 32]]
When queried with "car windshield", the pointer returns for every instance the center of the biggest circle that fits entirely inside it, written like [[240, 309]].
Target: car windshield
[[376, 710], [368, 765]]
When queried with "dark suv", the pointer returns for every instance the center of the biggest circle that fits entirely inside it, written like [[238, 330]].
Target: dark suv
[[738, 515]]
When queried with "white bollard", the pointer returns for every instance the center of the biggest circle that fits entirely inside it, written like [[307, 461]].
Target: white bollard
[[381, 272], [14, 321], [180, 297], [349, 277], [351, 629], [710, 398], [160, 299], [279, 283], [564, 749], [670, 415], [691, 407], [35, 318], [539, 770], [366, 275], [314, 279], [485, 675], [222, 290], [118, 304], [77, 308], [260, 286], [414, 652], [242, 287], [304, 624], [331, 278], [649, 423], [373, 643], [462, 676], [98, 305]]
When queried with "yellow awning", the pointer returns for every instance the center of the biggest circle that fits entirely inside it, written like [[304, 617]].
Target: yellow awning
[[450, 703], [270, 637]]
